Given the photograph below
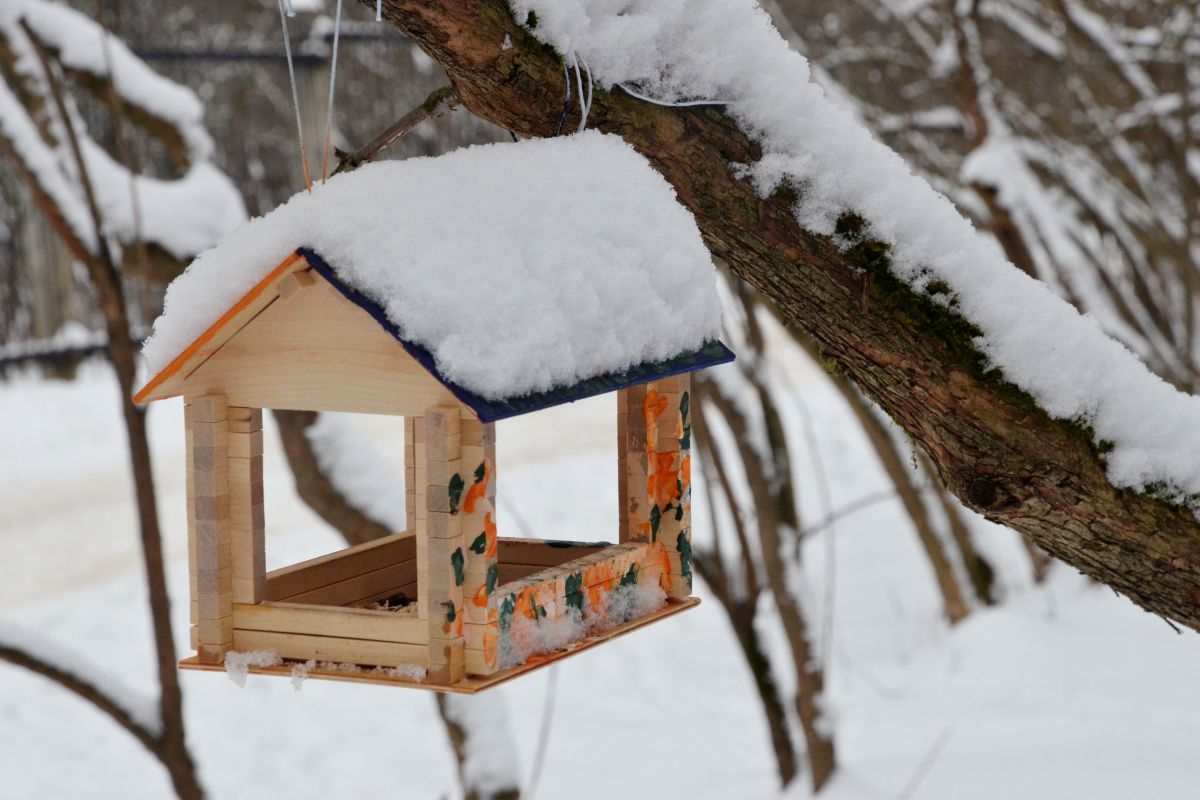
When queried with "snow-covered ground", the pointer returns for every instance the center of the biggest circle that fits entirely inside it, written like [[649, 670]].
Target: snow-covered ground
[[1065, 691]]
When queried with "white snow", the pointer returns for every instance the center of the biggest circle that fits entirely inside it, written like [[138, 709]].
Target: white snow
[[80, 44], [183, 215], [363, 476], [237, 665], [526, 637], [520, 266], [687, 49], [1064, 691], [40, 160], [141, 708], [489, 756]]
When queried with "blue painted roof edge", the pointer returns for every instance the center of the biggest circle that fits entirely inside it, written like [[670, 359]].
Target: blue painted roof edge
[[710, 355]]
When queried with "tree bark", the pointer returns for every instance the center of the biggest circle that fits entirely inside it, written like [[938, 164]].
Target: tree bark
[[992, 445]]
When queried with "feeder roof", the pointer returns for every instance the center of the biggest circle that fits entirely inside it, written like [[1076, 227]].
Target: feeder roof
[[520, 274]]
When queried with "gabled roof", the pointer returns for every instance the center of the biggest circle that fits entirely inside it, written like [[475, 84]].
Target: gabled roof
[[491, 410], [520, 275]]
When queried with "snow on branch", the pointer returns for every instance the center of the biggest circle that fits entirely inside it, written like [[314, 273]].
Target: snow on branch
[[357, 470], [80, 45], [488, 758], [183, 216], [1071, 368]]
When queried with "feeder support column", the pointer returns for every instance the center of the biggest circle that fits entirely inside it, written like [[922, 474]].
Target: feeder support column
[[211, 565], [482, 629], [247, 521], [654, 429], [445, 561]]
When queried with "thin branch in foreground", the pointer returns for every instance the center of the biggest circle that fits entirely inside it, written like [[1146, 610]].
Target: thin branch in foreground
[[436, 104], [23, 655]]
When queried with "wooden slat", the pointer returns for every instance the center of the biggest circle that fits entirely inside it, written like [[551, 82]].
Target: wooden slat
[[441, 585], [334, 567], [543, 552], [345, 623], [470, 685], [318, 352], [514, 572], [211, 568], [352, 589], [329, 648], [410, 474], [409, 590], [169, 382]]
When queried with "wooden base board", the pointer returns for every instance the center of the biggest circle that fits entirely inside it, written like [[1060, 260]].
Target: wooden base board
[[474, 684]]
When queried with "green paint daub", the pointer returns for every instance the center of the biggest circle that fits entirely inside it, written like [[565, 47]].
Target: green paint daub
[[456, 560], [655, 521], [479, 546], [630, 577], [685, 406], [493, 577], [575, 600], [451, 614], [575, 590], [455, 490], [684, 546], [480, 472], [507, 605]]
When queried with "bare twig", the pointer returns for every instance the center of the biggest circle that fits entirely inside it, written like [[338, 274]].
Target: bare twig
[[171, 749], [436, 104], [84, 690], [926, 764]]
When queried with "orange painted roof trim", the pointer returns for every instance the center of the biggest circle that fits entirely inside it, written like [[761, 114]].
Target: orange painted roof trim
[[183, 358]]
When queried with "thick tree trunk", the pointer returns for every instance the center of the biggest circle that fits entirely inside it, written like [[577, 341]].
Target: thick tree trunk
[[993, 446]]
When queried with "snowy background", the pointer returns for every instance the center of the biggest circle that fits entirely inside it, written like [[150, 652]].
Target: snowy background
[[1063, 691]]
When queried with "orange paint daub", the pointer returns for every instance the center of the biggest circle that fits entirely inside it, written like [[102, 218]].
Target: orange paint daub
[[477, 490], [180, 360]]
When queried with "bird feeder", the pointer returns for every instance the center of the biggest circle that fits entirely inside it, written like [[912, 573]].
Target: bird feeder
[[449, 596]]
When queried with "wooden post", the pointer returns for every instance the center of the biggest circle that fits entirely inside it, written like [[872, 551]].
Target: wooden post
[[654, 457], [482, 630], [410, 474], [632, 465], [193, 586], [208, 515], [445, 560], [247, 521], [419, 517]]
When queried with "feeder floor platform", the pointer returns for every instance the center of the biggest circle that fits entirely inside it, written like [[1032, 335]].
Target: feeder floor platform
[[471, 684]]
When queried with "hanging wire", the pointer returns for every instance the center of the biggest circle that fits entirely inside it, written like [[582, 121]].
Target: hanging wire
[[673, 104], [539, 756], [287, 48], [337, 29], [562, 118], [379, 10], [579, 85], [585, 106], [588, 69]]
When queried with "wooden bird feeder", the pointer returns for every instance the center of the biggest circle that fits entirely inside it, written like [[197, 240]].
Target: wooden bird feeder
[[303, 338]]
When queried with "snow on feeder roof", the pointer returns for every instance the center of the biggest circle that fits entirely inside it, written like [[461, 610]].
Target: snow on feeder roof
[[521, 275]]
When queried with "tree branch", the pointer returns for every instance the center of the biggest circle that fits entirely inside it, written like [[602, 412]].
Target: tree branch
[[172, 750], [85, 691], [438, 102], [992, 445]]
